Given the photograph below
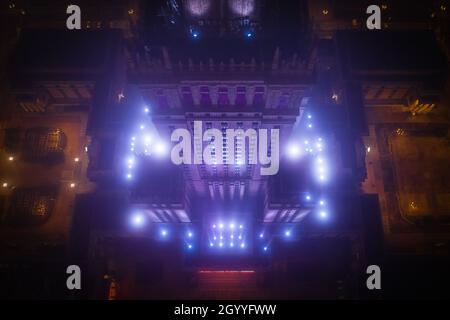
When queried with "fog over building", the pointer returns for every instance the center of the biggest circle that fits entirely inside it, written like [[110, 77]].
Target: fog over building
[[86, 175]]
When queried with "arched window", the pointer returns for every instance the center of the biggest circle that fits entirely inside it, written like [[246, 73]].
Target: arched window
[[31, 206], [44, 144]]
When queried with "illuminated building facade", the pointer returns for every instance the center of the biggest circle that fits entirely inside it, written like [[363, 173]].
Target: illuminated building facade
[[86, 169]]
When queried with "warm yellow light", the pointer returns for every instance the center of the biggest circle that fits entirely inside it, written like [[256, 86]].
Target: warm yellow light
[[5, 185], [413, 205], [76, 159], [72, 185], [11, 158], [400, 132], [325, 12]]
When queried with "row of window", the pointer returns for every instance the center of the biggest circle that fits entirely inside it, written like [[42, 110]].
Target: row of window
[[36, 144], [223, 97], [32, 206], [28, 206]]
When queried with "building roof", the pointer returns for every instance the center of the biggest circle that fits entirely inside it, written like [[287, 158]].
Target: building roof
[[57, 52], [391, 52]]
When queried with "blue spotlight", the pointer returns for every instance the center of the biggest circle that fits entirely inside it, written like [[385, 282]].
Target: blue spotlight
[[321, 202], [194, 33], [147, 139], [323, 215], [241, 226], [309, 116], [215, 238], [287, 233], [231, 244], [138, 220], [211, 244], [249, 34], [221, 226], [190, 234], [242, 245], [163, 232], [221, 244], [293, 151], [160, 149], [261, 235], [129, 176], [265, 248], [308, 197]]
